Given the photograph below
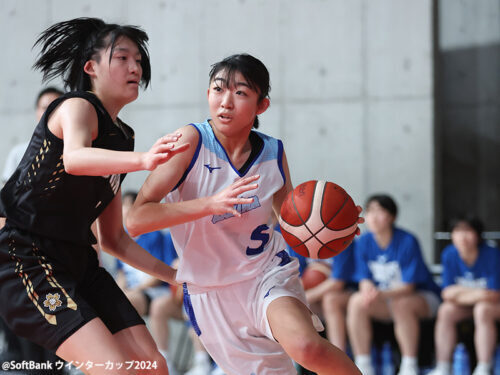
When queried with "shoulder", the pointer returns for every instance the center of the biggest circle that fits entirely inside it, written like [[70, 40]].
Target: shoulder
[[449, 252], [489, 250], [362, 243], [405, 237], [190, 134], [77, 107]]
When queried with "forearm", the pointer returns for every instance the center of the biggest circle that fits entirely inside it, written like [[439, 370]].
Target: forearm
[[330, 285], [471, 296], [398, 291], [153, 216], [90, 161], [128, 251]]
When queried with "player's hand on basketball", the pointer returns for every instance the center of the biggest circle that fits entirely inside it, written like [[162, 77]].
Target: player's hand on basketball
[[162, 150], [225, 201], [361, 220]]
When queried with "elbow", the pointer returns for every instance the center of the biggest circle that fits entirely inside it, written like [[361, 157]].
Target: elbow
[[70, 167], [133, 225]]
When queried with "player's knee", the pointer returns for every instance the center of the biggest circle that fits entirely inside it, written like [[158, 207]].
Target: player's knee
[[447, 311], [483, 312], [355, 305], [333, 303]]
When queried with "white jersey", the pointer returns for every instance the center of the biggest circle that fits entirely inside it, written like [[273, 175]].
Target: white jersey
[[219, 250]]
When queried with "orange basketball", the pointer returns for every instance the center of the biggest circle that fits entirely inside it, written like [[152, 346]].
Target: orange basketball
[[315, 274], [318, 219]]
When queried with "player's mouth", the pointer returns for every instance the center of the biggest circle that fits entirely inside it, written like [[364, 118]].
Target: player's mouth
[[133, 82], [224, 117]]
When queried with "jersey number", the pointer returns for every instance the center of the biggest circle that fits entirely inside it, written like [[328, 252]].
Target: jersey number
[[259, 234]]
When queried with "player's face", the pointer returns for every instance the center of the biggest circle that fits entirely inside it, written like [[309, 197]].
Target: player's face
[[377, 218], [43, 103], [464, 237], [234, 105], [120, 78]]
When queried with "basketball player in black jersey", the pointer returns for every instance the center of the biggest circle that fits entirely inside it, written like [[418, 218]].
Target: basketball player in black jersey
[[52, 289]]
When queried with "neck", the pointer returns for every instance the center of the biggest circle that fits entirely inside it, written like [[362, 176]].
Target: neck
[[113, 106], [235, 144], [383, 238], [470, 255]]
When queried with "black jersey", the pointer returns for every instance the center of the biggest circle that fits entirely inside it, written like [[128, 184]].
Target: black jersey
[[40, 197]]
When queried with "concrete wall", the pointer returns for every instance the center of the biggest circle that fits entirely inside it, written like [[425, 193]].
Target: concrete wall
[[352, 93]]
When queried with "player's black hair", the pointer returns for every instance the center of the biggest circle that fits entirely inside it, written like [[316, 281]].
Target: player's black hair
[[472, 221], [254, 71], [385, 201], [48, 90], [66, 47]]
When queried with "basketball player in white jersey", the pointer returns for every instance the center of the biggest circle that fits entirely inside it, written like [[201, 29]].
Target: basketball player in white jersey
[[222, 198]]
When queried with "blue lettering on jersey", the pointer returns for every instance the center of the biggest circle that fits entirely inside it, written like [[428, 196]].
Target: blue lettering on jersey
[[241, 208], [258, 234]]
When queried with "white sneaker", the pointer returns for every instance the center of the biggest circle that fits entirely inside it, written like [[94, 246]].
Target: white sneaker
[[200, 368], [408, 370], [482, 370], [366, 368]]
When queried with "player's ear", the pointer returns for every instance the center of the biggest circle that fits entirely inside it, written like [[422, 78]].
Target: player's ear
[[263, 105], [89, 68]]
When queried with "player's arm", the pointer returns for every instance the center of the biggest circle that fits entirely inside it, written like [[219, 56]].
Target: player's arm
[[115, 241], [281, 194], [75, 121], [148, 212]]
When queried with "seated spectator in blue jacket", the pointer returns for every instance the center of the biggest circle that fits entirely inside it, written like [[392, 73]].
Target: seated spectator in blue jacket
[[471, 289], [394, 285]]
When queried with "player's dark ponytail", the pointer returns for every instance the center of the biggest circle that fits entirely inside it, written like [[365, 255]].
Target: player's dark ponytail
[[254, 71], [67, 46]]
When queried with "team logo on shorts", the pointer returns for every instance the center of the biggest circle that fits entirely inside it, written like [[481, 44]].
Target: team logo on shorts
[[52, 301]]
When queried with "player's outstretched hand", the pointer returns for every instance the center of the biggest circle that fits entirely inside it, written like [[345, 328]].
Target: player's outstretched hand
[[163, 149], [360, 220], [225, 201]]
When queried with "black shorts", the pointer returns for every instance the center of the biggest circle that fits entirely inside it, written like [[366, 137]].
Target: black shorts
[[49, 289]]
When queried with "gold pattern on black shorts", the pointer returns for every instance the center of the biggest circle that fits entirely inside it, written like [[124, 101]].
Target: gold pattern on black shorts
[[30, 291], [47, 267]]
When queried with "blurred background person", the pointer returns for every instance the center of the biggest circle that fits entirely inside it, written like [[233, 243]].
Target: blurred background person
[[43, 99], [394, 284], [471, 289]]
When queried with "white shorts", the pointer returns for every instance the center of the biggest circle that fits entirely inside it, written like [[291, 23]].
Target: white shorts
[[232, 324]]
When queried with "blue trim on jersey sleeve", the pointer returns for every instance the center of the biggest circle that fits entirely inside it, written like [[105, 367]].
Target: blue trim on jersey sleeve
[[280, 160], [193, 160]]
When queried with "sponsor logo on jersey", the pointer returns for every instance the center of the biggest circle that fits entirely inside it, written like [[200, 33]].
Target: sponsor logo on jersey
[[241, 208], [211, 169]]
